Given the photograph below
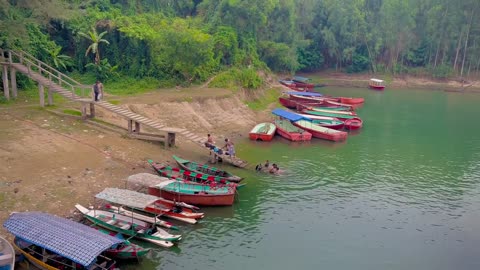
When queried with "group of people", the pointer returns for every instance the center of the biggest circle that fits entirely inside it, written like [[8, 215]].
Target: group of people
[[228, 148], [274, 169]]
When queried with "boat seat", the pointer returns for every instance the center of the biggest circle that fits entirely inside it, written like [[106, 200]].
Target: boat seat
[[125, 227], [141, 231], [193, 174], [5, 259], [204, 177], [111, 222]]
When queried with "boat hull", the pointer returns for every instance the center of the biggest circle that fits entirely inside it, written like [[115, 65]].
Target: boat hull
[[325, 133], [294, 136], [353, 101], [353, 124], [375, 87], [196, 199], [257, 133], [201, 168]]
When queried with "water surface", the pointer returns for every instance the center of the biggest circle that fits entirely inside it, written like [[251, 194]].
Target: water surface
[[403, 193]]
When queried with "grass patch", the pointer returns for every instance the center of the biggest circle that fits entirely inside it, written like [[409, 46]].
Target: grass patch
[[270, 96], [72, 112]]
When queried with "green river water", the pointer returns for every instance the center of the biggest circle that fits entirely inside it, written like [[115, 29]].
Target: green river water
[[403, 193]]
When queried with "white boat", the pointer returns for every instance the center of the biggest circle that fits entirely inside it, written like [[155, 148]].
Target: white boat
[[7, 255]]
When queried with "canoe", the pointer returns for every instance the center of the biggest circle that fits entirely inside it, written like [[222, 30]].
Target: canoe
[[327, 110], [194, 193], [351, 100], [125, 250], [129, 226], [290, 132], [314, 106], [152, 219], [303, 82], [51, 242], [353, 124], [184, 175], [206, 169], [329, 114], [321, 132], [147, 203], [263, 132], [7, 255], [329, 123]]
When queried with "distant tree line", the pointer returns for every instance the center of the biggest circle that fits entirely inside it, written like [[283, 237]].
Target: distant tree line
[[190, 40]]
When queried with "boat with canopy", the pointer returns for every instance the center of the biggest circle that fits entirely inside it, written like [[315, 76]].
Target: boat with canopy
[[376, 84], [285, 127], [51, 242]]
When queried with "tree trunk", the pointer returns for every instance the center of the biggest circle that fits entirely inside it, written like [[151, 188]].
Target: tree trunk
[[466, 43], [458, 50], [370, 55]]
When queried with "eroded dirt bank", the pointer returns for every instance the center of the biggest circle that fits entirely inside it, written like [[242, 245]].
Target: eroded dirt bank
[[50, 162]]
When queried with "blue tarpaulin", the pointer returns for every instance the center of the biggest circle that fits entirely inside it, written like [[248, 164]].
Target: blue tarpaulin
[[306, 94], [288, 115], [67, 238]]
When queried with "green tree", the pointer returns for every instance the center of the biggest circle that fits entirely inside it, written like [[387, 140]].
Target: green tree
[[95, 39], [59, 61]]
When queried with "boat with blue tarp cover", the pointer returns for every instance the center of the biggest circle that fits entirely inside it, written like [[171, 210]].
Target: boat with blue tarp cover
[[286, 129], [305, 94], [329, 123], [51, 242]]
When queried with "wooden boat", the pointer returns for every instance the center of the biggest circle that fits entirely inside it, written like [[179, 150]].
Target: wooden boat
[[376, 84], [51, 242], [184, 175], [125, 250], [194, 193], [206, 169], [303, 82], [129, 226], [327, 110], [263, 132], [321, 132], [329, 123], [143, 216], [7, 255], [330, 114], [286, 129], [147, 203], [353, 124], [351, 100], [314, 106]]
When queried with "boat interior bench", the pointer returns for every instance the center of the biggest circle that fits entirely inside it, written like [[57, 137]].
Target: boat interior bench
[[5, 259]]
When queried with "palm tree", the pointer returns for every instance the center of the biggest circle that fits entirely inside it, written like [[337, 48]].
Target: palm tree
[[96, 39]]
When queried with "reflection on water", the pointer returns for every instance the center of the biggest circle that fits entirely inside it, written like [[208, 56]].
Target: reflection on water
[[403, 193]]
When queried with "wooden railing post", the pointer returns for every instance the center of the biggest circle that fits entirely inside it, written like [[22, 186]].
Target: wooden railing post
[[73, 92], [21, 57], [60, 79], [10, 56]]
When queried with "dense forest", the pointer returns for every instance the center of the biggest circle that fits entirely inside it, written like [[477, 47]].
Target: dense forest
[[185, 41]]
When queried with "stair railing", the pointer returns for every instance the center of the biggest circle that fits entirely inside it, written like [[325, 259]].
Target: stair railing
[[52, 74]]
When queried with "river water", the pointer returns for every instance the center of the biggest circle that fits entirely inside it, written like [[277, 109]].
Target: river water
[[403, 193]]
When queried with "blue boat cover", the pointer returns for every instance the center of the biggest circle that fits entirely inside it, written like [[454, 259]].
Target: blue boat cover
[[306, 94], [288, 115], [67, 238]]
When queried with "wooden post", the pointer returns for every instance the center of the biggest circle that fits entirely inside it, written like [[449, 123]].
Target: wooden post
[[13, 81], [10, 57], [130, 124], [137, 127], [6, 91], [50, 97], [170, 140], [84, 110], [41, 91], [92, 110]]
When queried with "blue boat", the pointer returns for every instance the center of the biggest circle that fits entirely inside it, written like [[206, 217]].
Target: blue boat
[[51, 242]]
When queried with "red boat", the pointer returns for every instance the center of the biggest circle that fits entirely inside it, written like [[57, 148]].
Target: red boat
[[353, 124], [321, 132], [263, 132], [303, 82], [377, 84], [350, 100], [286, 129]]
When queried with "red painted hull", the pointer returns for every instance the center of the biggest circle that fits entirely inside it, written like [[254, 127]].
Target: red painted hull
[[336, 137], [377, 87], [261, 137], [294, 136], [353, 124], [197, 199], [304, 85], [347, 100], [161, 208]]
